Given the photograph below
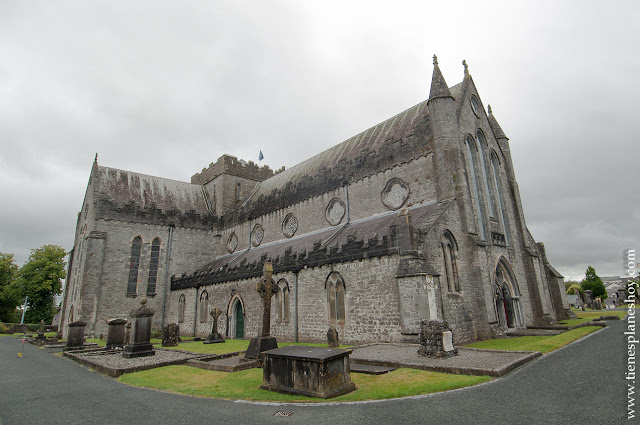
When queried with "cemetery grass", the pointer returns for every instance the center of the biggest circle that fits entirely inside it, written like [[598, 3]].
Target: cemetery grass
[[244, 385], [588, 316], [229, 346], [545, 344]]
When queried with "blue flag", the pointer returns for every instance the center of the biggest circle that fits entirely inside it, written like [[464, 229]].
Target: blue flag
[[260, 157]]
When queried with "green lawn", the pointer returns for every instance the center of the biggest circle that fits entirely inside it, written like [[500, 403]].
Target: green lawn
[[229, 346], [244, 385], [544, 344], [588, 316]]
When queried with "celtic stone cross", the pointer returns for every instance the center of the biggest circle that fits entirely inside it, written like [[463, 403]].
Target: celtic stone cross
[[215, 312], [266, 288]]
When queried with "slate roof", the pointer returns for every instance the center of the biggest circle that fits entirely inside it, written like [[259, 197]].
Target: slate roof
[[369, 142], [124, 187], [370, 237]]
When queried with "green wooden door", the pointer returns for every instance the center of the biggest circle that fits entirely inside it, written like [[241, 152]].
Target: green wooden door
[[239, 320]]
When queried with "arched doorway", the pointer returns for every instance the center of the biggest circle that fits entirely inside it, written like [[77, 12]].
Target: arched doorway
[[507, 297], [235, 327]]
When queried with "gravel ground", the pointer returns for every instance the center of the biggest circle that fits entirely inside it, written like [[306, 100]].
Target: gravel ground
[[490, 362], [114, 359]]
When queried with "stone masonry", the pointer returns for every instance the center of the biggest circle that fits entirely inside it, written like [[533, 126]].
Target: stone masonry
[[417, 218]]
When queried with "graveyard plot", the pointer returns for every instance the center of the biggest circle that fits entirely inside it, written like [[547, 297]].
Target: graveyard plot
[[244, 385], [542, 343]]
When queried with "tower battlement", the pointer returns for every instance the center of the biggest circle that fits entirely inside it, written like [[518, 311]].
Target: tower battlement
[[228, 164]]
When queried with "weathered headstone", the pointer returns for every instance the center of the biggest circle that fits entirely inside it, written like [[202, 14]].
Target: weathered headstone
[[140, 340], [588, 298], [436, 339], [116, 333], [214, 336], [41, 331], [171, 335], [332, 337], [597, 303], [127, 332], [621, 296], [75, 336], [267, 288]]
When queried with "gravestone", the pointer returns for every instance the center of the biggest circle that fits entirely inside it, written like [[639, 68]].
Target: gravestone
[[436, 339], [621, 296], [171, 335], [266, 288], [127, 332], [214, 337], [588, 298], [41, 331], [597, 303], [75, 337], [116, 333], [310, 371], [332, 337], [140, 340]]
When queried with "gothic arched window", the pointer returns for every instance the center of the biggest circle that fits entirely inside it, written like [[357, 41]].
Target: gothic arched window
[[449, 254], [203, 306], [482, 146], [495, 167], [282, 301], [181, 308], [134, 264], [472, 160], [153, 266], [335, 298]]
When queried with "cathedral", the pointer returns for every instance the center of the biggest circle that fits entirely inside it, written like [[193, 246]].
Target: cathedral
[[418, 217]]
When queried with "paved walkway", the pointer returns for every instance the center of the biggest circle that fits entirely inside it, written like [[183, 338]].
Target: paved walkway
[[582, 383], [469, 361]]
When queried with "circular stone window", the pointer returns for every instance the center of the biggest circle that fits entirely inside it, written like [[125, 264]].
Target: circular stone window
[[335, 211], [289, 225], [395, 194], [475, 106], [257, 234], [232, 242]]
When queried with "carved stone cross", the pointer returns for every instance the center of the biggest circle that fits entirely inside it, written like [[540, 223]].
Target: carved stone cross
[[266, 288], [215, 312]]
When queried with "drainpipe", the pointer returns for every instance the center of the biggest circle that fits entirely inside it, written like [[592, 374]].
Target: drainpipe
[[295, 306], [195, 314], [166, 275], [346, 191]]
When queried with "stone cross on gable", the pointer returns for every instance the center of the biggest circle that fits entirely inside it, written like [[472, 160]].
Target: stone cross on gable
[[215, 312], [266, 288]]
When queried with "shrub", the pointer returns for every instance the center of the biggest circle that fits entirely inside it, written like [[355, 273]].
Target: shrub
[[4, 328]]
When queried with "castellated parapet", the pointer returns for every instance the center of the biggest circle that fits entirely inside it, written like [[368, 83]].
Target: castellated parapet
[[228, 164]]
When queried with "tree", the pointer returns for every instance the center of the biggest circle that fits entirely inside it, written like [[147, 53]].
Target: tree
[[593, 283], [575, 289], [569, 283], [40, 278], [9, 298]]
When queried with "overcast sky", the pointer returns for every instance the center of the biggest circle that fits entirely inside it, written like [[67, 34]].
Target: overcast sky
[[165, 88]]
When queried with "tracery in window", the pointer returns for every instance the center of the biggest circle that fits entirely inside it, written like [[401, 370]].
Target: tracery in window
[[134, 264], [449, 254], [153, 266], [472, 162], [335, 298]]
